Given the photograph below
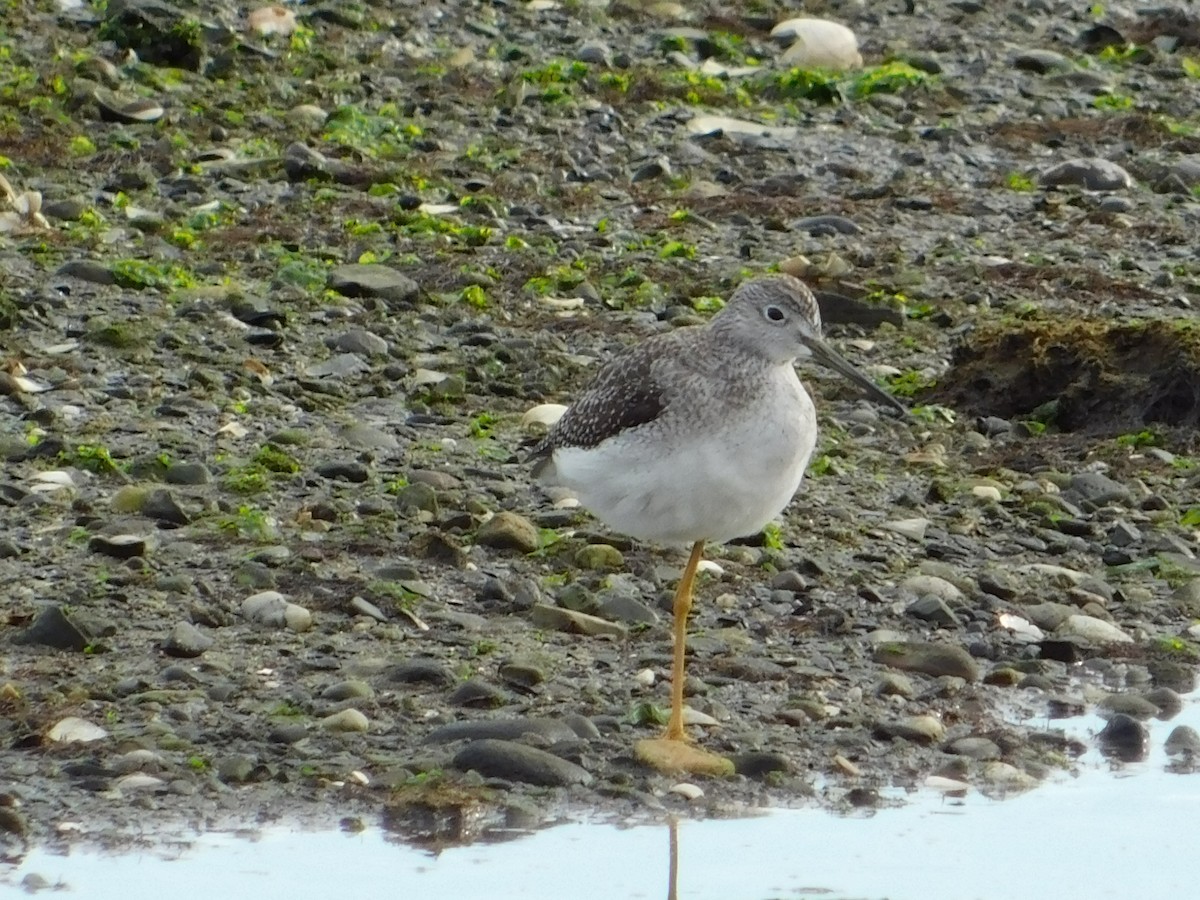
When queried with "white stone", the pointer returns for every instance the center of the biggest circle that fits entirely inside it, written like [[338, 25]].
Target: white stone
[[645, 677], [987, 492], [909, 528], [687, 790], [1091, 629], [739, 128], [74, 730], [543, 414], [138, 781], [818, 44], [695, 717], [923, 585]]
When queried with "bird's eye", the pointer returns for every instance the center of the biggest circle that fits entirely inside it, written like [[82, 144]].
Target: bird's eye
[[774, 314]]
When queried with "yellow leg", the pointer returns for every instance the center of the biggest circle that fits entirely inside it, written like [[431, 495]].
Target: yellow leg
[[683, 606], [672, 753]]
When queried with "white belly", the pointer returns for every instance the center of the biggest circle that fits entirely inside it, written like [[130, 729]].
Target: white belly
[[722, 483]]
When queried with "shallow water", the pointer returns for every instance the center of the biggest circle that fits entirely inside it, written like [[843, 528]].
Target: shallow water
[[1109, 831]]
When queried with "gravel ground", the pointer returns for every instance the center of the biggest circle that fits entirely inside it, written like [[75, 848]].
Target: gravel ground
[[274, 307]]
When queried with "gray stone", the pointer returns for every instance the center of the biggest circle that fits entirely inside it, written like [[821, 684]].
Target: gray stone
[[1096, 488], [478, 694], [361, 607], [1091, 174], [373, 280], [421, 671], [360, 341], [342, 365], [523, 675], [348, 690], [545, 616], [1041, 61], [188, 473], [1123, 534], [933, 609], [517, 762], [977, 748], [928, 658], [52, 628], [187, 641], [549, 730], [620, 607], [1183, 741]]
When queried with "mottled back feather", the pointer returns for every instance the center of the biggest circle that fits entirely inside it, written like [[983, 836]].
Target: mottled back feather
[[623, 395]]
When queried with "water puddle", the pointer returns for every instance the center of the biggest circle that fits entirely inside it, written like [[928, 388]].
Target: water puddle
[[1108, 830]]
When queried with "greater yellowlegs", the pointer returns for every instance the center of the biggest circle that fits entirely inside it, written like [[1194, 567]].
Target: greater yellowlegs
[[699, 434]]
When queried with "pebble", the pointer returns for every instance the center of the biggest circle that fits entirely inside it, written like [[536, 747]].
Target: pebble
[[545, 616], [934, 610], [1097, 488], [348, 690], [373, 280], [550, 730], [759, 763], [74, 730], [1183, 740], [909, 528], [275, 610], [118, 546], [1091, 630], [523, 675], [511, 761], [478, 694], [931, 659], [933, 585], [52, 628], [687, 790], [421, 671], [347, 720], [1010, 778], [1041, 61], [977, 748], [509, 531], [187, 641], [1125, 738], [894, 684], [599, 557], [918, 729], [1090, 174], [361, 607], [817, 44]]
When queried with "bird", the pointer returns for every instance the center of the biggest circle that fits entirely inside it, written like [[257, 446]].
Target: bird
[[695, 436]]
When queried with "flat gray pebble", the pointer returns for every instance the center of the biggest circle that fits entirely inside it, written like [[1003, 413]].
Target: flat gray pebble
[[517, 762]]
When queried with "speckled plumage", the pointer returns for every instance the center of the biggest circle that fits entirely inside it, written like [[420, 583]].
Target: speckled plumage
[[700, 433]]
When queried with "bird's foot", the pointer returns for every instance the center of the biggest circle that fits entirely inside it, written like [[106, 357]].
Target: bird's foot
[[675, 756]]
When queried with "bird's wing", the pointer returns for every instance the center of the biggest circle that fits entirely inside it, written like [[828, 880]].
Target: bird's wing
[[624, 394]]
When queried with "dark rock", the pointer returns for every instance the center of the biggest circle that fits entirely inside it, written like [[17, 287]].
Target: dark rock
[[118, 546], [517, 762], [478, 694], [421, 671], [191, 473], [550, 730], [353, 472], [52, 628], [759, 764], [1124, 738], [160, 504]]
